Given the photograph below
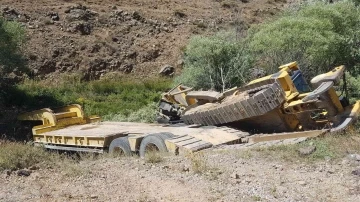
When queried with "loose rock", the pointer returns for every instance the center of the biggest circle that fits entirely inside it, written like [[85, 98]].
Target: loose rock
[[167, 70], [93, 196], [355, 157], [303, 183], [235, 176], [356, 172], [23, 172], [33, 167], [304, 151], [8, 172]]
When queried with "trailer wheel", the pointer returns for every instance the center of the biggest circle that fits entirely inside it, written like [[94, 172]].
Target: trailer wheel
[[154, 142], [120, 146]]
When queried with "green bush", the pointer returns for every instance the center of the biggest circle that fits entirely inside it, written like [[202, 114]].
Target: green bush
[[11, 39], [319, 36], [215, 62]]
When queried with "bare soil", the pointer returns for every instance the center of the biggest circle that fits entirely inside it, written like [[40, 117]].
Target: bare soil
[[221, 176], [134, 37]]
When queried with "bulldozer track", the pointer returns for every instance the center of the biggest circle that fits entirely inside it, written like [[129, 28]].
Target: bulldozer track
[[255, 100]]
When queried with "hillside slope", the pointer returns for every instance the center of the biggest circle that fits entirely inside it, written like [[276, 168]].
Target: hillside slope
[[130, 37]]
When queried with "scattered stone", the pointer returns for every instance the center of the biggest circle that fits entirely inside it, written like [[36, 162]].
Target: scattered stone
[[55, 53], [94, 196], [54, 16], [235, 176], [114, 39], [98, 64], [23, 172], [83, 28], [167, 70], [327, 158], [356, 172], [180, 63], [95, 48], [302, 183], [179, 14], [79, 13], [132, 54], [136, 15], [10, 13], [127, 68], [7, 172], [150, 55], [355, 157], [304, 151], [46, 67], [185, 169], [34, 167]]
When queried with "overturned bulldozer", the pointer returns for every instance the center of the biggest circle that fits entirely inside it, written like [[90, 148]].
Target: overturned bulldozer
[[281, 102]]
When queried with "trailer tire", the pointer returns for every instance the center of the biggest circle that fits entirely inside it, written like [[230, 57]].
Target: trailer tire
[[120, 146], [154, 141]]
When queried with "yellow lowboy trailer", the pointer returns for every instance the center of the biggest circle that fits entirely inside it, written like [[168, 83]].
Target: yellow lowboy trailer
[[68, 129]]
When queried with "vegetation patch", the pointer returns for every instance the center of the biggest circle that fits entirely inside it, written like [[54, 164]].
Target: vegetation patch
[[329, 147], [318, 35], [154, 157], [102, 97], [15, 156], [216, 62]]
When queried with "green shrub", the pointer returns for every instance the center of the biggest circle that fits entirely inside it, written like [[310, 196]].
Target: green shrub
[[319, 36], [217, 62], [12, 36]]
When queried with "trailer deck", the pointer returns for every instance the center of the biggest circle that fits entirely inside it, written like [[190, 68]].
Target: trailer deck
[[100, 134]]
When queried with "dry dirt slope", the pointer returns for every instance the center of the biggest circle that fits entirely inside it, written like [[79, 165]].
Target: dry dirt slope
[[226, 176], [135, 37]]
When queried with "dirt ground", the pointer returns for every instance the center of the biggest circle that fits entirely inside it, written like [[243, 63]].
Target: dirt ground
[[134, 37], [211, 176]]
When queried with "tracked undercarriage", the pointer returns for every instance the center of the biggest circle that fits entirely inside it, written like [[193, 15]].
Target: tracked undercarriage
[[281, 102]]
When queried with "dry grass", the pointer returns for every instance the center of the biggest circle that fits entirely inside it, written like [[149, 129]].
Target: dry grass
[[15, 156], [200, 165], [329, 147], [198, 162], [154, 157]]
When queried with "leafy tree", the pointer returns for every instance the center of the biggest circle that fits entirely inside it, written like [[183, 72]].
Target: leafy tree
[[11, 39], [215, 62], [319, 36]]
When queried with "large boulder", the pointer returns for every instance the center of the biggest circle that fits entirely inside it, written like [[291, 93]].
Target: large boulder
[[167, 70]]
